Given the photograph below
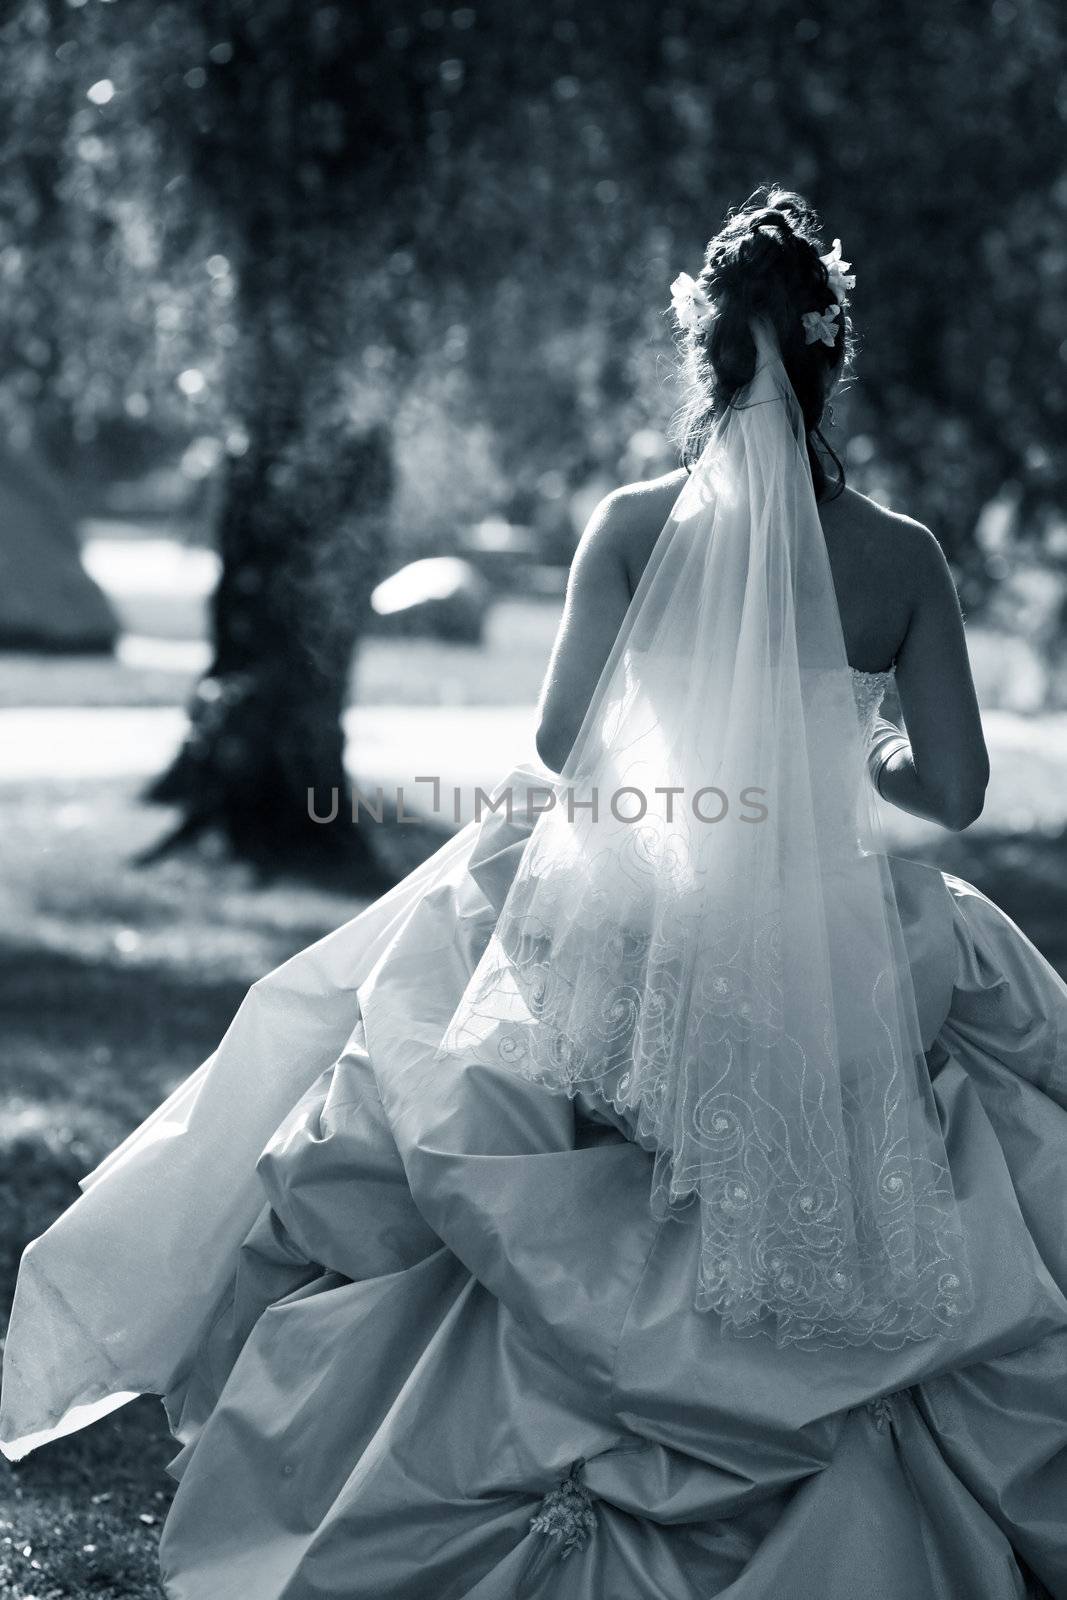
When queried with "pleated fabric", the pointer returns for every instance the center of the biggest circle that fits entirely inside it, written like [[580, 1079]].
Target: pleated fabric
[[419, 1334]]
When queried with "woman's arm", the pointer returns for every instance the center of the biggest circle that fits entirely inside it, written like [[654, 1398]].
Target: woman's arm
[[940, 768], [598, 596]]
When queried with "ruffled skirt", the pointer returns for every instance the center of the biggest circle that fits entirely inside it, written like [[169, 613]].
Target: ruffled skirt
[[419, 1334]]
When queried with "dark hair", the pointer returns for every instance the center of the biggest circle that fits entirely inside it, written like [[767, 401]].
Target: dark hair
[[764, 261]]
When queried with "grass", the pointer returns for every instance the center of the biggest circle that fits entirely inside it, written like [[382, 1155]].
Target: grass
[[63, 1535], [506, 670]]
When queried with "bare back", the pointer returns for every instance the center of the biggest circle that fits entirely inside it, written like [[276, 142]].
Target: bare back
[[898, 608], [871, 560]]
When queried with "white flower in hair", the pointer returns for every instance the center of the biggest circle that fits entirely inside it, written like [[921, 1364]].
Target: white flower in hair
[[691, 304], [841, 280], [821, 325]]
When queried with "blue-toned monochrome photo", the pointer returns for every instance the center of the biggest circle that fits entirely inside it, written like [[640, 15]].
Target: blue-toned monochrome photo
[[533, 801]]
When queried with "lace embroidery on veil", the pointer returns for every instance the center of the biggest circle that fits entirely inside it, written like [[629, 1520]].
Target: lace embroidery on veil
[[735, 993]]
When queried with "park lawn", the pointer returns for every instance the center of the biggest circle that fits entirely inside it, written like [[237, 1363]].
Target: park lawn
[[505, 670], [115, 982]]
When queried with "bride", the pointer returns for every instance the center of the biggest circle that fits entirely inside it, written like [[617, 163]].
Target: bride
[[657, 1193]]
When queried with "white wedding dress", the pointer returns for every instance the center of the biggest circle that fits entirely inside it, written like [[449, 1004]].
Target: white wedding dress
[[420, 1333]]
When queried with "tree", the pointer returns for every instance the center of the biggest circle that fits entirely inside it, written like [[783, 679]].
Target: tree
[[311, 160], [316, 216], [256, 110]]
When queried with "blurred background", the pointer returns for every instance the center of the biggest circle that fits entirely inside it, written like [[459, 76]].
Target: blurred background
[[323, 328]]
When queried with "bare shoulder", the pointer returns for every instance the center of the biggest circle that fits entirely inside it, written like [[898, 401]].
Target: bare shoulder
[[901, 550], [637, 499], [899, 538], [628, 521]]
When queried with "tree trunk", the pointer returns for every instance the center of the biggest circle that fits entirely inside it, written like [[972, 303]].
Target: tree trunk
[[302, 535]]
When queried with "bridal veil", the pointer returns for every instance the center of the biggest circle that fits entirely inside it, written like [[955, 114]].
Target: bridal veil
[[701, 941]]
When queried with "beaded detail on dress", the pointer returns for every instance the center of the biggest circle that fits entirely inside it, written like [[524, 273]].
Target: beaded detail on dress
[[870, 690], [566, 1513]]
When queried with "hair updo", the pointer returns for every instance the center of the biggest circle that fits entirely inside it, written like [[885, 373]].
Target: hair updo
[[764, 262]]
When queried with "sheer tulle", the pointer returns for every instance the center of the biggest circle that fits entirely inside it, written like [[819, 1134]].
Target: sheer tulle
[[702, 936]]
